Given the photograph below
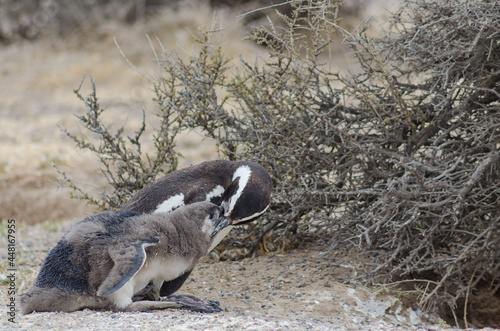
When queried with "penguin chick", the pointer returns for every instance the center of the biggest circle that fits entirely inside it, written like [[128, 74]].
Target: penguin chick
[[107, 259], [241, 188]]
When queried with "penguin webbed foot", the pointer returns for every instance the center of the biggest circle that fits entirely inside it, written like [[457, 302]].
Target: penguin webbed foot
[[141, 295], [192, 303], [149, 293]]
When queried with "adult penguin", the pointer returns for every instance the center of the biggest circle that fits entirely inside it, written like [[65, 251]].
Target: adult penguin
[[241, 188]]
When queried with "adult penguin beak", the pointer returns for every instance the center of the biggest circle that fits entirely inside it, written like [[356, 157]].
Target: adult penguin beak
[[223, 221]]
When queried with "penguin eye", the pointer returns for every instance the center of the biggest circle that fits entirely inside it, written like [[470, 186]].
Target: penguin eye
[[213, 214]]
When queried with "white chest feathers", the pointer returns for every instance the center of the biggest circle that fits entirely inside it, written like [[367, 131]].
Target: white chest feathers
[[156, 271]]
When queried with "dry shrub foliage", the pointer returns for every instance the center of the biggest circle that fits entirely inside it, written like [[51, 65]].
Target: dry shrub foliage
[[400, 157], [126, 168], [32, 19]]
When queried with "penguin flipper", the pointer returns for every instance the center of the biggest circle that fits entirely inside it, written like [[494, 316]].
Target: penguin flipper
[[128, 260]]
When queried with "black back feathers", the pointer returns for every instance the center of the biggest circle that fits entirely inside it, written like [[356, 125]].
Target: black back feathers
[[242, 188]]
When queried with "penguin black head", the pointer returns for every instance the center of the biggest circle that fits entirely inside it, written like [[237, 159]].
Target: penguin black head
[[249, 194]]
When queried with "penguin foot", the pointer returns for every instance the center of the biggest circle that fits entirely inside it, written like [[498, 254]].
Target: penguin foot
[[143, 294], [190, 302]]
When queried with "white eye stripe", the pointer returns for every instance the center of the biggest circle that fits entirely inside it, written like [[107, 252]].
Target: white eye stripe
[[244, 172]]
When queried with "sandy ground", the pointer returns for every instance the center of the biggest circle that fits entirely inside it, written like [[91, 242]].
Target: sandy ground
[[299, 290]]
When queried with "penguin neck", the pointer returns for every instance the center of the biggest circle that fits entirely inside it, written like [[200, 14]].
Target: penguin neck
[[241, 177]]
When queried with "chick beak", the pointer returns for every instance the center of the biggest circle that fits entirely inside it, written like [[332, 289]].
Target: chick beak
[[222, 222]]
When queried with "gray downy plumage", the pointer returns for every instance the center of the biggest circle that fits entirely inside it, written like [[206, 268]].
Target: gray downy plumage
[[242, 189], [105, 260]]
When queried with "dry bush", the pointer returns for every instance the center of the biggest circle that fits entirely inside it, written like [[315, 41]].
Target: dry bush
[[398, 159], [429, 151], [435, 83], [126, 168], [30, 19]]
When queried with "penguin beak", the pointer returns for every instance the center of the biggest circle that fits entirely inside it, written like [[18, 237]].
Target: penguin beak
[[224, 209], [222, 223]]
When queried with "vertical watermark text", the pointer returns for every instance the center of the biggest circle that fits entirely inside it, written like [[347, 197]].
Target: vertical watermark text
[[11, 270]]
